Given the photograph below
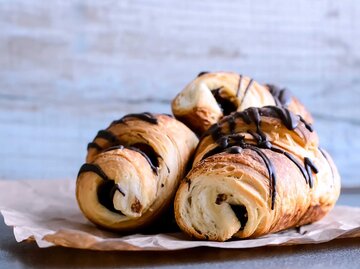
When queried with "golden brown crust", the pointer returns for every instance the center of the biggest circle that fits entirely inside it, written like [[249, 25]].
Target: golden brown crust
[[197, 106], [139, 192], [204, 203], [278, 134]]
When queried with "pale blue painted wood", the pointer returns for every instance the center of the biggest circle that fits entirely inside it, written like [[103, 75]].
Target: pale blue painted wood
[[68, 68]]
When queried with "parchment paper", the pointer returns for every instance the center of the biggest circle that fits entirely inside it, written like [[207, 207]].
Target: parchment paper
[[47, 212]]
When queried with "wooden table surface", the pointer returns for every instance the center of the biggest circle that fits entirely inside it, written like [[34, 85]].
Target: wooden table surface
[[343, 253]]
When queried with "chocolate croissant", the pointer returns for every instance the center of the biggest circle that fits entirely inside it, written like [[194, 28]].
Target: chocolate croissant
[[211, 96], [132, 170], [256, 172]]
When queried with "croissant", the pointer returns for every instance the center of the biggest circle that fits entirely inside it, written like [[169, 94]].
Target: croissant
[[256, 172], [132, 170], [211, 96]]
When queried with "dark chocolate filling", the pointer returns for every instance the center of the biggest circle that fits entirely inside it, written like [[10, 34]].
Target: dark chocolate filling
[[221, 197], [241, 214], [106, 189], [105, 194], [136, 206], [282, 97], [225, 104]]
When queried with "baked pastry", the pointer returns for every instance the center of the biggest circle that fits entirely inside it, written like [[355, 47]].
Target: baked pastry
[[132, 170], [210, 96], [256, 172]]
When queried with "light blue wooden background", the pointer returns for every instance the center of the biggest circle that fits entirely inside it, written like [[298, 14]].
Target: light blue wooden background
[[68, 68]]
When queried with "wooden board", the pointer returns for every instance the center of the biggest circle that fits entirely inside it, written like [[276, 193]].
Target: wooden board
[[68, 68]]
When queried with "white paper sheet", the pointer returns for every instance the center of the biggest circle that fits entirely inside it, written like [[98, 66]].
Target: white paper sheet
[[47, 212]]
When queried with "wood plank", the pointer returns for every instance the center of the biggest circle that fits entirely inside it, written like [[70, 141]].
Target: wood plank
[[50, 143], [70, 67]]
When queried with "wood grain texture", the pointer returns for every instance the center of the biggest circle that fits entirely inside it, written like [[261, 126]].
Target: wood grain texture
[[68, 68]]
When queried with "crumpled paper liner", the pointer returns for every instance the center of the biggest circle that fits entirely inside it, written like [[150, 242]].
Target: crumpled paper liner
[[47, 212]]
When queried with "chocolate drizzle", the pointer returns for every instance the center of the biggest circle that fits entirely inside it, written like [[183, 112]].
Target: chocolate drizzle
[[214, 130], [169, 115], [246, 90], [145, 116], [327, 159], [282, 97], [145, 150], [89, 167], [232, 125], [235, 143], [307, 125], [106, 190], [310, 167], [107, 135], [202, 73], [94, 145], [114, 143], [149, 154], [239, 85], [302, 169], [234, 150]]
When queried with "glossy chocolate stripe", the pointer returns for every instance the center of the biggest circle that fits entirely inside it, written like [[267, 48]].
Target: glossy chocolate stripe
[[107, 135], [271, 171], [233, 143], [246, 90], [282, 97], [202, 73], [303, 170], [94, 145], [239, 85], [310, 167], [90, 167], [153, 166], [145, 116]]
